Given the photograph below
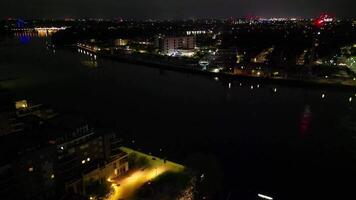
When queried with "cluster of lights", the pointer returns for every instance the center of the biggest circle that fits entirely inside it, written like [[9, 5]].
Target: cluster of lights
[[240, 84], [195, 32], [85, 160], [87, 53], [320, 21], [277, 19], [92, 48]]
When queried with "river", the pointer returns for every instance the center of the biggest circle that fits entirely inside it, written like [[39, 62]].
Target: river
[[288, 142]]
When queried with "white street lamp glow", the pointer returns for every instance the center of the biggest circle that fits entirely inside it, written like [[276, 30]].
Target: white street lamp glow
[[265, 197]]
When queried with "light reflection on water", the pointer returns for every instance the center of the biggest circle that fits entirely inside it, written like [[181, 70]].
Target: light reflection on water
[[255, 125]]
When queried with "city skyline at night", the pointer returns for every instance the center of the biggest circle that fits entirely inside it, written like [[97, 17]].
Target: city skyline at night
[[177, 100], [163, 9]]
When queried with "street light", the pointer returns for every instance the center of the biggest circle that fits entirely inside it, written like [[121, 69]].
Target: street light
[[264, 197]]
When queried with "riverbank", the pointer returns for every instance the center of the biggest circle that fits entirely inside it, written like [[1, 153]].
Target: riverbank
[[179, 65]]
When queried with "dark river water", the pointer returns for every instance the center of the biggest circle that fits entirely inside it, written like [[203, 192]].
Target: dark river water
[[287, 142]]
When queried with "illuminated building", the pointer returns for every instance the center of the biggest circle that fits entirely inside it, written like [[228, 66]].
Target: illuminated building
[[121, 42], [102, 173], [15, 118], [183, 45], [196, 32], [52, 152], [27, 168]]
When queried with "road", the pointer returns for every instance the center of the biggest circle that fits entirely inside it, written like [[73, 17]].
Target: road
[[125, 187]]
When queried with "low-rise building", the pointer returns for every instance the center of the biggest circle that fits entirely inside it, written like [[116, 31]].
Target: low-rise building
[[100, 173]]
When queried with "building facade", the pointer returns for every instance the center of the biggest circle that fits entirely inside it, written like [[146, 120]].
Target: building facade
[[172, 45], [54, 156]]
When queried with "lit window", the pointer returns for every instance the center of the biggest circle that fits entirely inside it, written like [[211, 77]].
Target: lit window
[[21, 104], [30, 169]]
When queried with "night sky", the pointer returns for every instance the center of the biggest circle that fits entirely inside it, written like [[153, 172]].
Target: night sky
[[177, 9]]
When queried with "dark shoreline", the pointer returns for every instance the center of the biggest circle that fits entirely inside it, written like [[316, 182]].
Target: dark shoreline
[[193, 70]]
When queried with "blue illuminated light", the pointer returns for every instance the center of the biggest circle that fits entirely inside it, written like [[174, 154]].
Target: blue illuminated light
[[24, 39]]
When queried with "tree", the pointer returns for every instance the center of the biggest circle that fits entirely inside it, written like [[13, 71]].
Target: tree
[[95, 188], [137, 161], [209, 173]]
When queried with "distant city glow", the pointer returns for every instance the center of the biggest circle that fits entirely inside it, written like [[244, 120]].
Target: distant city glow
[[322, 20]]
